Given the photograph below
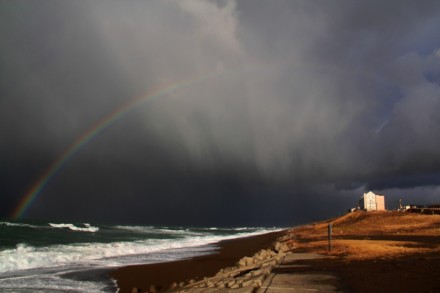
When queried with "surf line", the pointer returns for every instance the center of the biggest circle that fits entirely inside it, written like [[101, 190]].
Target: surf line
[[106, 122]]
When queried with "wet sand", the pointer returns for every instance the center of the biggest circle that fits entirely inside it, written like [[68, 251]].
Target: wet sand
[[372, 252], [162, 275]]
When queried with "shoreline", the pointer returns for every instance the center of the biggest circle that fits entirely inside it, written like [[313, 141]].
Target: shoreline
[[399, 251], [162, 275]]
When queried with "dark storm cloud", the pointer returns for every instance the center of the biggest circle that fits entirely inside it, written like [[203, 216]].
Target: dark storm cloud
[[404, 181], [289, 103]]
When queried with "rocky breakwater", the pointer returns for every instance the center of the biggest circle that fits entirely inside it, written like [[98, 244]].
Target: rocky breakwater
[[246, 276]]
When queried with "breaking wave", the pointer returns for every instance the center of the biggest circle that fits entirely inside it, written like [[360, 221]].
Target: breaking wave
[[25, 257], [87, 227], [18, 225], [54, 257]]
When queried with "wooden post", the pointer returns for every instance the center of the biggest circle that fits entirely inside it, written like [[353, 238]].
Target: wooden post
[[330, 236]]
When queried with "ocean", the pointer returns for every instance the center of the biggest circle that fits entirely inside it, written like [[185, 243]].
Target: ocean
[[40, 256]]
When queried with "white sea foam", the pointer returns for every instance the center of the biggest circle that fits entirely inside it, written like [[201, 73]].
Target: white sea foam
[[49, 282], [18, 225], [55, 268], [86, 228], [155, 230], [25, 257], [138, 229]]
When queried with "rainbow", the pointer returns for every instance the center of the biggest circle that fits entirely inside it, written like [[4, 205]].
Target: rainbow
[[107, 121]]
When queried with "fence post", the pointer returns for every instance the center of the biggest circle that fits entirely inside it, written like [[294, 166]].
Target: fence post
[[330, 236]]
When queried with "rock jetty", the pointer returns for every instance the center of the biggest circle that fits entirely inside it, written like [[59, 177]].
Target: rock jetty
[[247, 275]]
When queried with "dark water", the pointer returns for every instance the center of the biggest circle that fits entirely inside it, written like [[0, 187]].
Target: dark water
[[76, 257]]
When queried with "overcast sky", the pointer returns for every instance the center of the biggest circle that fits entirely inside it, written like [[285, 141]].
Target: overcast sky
[[291, 109]]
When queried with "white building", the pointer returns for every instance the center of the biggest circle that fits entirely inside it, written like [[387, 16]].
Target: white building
[[372, 202]]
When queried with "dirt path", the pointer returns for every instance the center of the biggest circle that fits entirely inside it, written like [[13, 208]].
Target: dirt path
[[377, 251]]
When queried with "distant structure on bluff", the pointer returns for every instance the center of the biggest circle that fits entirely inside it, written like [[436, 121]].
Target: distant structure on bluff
[[372, 202]]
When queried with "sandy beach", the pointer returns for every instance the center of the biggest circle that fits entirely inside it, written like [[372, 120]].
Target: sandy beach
[[375, 251], [161, 275]]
